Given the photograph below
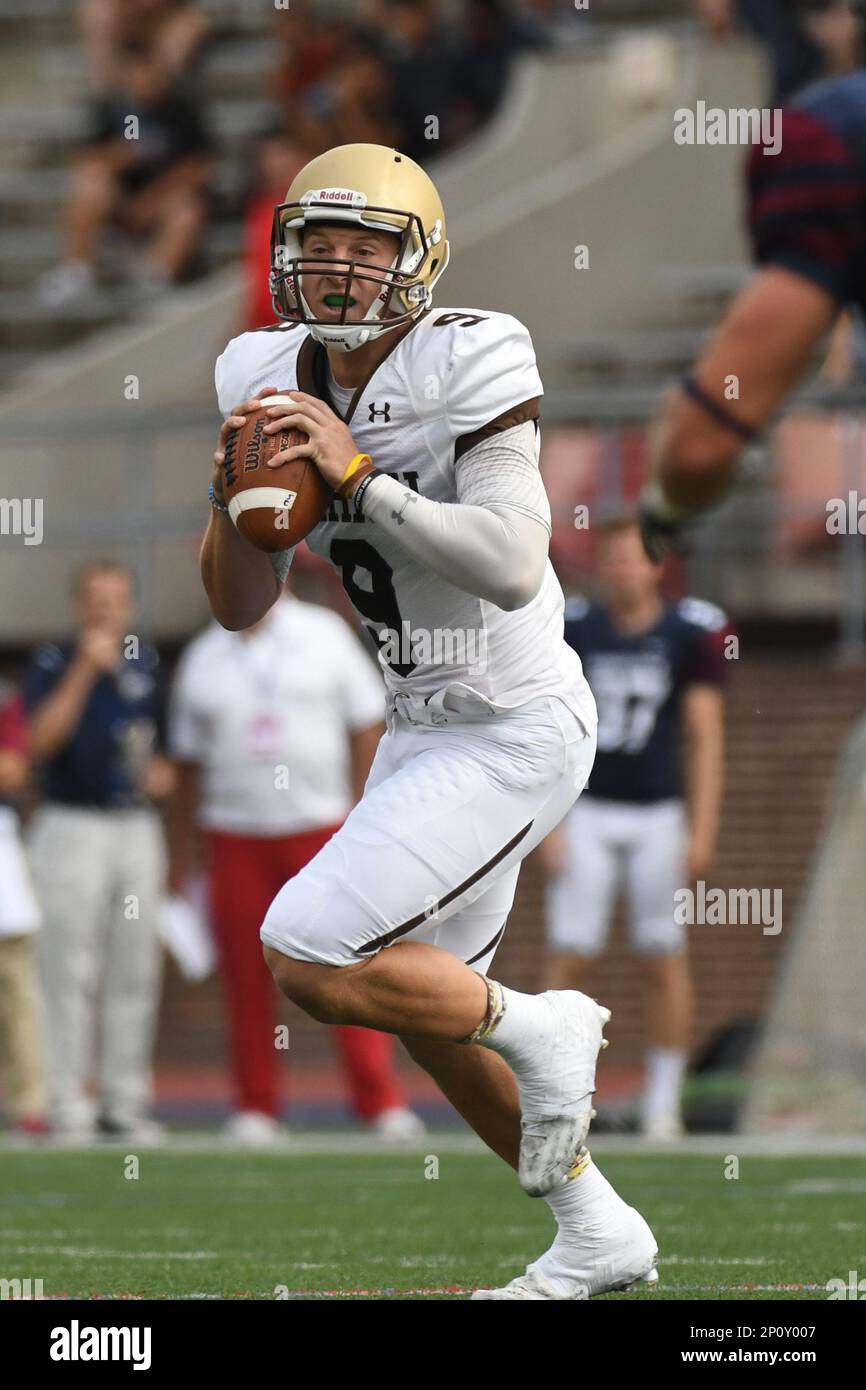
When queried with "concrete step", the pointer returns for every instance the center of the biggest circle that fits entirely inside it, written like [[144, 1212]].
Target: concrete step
[[631, 354], [24, 14], [236, 60], [30, 196], [708, 285], [26, 251], [230, 122], [13, 361]]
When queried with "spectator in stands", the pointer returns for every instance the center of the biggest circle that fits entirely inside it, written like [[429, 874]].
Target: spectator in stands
[[421, 54], [656, 670], [97, 854], [274, 730], [347, 102], [174, 29], [21, 1044], [492, 37], [341, 95], [144, 171], [306, 51], [807, 39], [277, 159]]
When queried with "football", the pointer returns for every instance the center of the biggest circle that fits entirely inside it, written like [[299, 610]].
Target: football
[[273, 508]]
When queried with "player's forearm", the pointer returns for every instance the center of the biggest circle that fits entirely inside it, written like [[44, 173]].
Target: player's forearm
[[239, 580], [495, 555], [58, 716], [705, 779], [691, 461], [13, 772], [183, 831]]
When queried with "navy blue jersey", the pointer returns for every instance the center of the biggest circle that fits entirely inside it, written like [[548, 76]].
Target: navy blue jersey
[[103, 762], [807, 204], [638, 684]]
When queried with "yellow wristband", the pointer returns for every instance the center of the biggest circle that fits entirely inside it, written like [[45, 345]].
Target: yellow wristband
[[356, 463]]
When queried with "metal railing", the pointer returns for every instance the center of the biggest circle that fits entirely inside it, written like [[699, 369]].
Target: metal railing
[[137, 521]]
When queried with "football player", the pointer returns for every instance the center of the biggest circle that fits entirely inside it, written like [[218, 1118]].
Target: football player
[[649, 817], [425, 424], [807, 216]]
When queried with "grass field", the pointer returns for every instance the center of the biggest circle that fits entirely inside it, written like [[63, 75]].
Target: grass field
[[208, 1223]]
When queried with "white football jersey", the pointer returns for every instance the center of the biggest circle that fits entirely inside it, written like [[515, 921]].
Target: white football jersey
[[445, 381]]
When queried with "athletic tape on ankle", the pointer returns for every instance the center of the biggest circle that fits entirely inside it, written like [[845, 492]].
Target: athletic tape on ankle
[[583, 1160], [495, 1010]]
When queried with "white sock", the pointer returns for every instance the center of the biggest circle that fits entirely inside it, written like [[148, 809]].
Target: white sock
[[582, 1206], [516, 1034], [665, 1069]]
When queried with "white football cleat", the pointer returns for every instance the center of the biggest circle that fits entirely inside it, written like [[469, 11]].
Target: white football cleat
[[252, 1129], [556, 1086], [611, 1262], [399, 1125]]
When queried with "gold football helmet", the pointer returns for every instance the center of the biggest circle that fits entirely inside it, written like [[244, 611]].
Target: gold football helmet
[[369, 186]]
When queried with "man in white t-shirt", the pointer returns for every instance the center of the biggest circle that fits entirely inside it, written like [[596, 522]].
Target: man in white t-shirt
[[274, 730]]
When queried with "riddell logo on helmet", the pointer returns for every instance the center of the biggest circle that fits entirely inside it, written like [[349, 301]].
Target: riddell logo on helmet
[[335, 195]]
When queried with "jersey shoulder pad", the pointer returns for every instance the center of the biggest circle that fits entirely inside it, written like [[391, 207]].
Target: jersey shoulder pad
[[577, 608], [484, 363], [462, 333], [262, 357], [700, 613]]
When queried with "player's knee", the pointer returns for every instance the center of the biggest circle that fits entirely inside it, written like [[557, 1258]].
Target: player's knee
[[309, 985], [419, 1050]]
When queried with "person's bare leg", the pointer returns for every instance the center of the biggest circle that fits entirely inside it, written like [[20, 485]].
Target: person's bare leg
[[550, 1041], [669, 1000], [569, 971], [178, 233], [669, 1015], [91, 198], [411, 988], [481, 1087]]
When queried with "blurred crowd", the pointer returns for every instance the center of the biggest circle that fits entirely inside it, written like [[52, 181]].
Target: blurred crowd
[[418, 74], [422, 75], [805, 39]]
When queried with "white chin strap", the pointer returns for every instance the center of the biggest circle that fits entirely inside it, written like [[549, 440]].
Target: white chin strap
[[347, 337]]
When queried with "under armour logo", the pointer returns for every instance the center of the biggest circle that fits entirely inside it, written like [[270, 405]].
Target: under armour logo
[[374, 412], [398, 516]]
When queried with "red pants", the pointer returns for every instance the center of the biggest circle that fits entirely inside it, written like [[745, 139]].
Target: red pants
[[246, 873]]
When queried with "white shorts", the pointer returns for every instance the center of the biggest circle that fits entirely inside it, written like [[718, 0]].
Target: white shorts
[[433, 849], [611, 844]]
